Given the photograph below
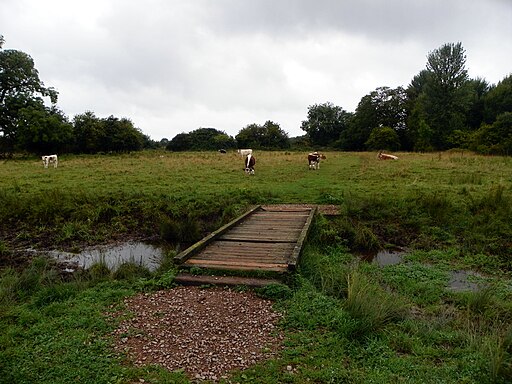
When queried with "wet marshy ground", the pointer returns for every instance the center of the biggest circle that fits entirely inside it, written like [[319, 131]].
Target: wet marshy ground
[[460, 280]]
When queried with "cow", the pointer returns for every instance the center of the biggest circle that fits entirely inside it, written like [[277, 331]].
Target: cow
[[385, 156], [249, 163], [314, 160], [222, 150], [49, 159], [245, 152]]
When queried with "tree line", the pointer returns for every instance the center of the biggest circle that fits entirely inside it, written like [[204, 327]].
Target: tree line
[[441, 108]]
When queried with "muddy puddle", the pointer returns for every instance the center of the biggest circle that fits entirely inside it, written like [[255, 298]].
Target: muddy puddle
[[384, 258], [141, 254]]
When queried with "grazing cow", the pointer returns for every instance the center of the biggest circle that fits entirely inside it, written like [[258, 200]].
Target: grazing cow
[[314, 160], [49, 159], [385, 156], [249, 164], [222, 150], [245, 152]]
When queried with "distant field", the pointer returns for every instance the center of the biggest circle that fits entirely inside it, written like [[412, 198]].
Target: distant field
[[280, 176]]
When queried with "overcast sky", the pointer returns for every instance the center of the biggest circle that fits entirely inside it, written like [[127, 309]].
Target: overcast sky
[[174, 66]]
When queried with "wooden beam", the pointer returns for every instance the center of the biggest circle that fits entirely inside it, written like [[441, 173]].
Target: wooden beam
[[294, 258]]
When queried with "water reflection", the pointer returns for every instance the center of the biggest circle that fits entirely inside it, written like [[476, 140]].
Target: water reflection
[[142, 254], [460, 281], [384, 258]]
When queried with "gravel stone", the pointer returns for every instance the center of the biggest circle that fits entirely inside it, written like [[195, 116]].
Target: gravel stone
[[207, 333]]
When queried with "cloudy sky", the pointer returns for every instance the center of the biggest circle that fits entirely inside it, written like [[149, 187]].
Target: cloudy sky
[[174, 66]]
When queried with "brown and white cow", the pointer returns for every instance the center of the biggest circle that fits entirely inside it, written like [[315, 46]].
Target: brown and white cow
[[249, 163], [314, 160], [50, 159], [385, 156]]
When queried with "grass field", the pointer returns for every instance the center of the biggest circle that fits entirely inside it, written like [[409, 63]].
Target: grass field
[[345, 321]]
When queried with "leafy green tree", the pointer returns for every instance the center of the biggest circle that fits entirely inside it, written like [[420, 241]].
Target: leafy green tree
[[446, 93], [202, 139], [20, 89], [479, 89], [266, 136], [383, 138], [88, 132], [494, 138], [498, 100], [44, 130], [325, 123], [120, 135], [384, 107], [180, 142]]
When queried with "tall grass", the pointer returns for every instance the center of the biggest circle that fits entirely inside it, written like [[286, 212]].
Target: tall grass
[[372, 306]]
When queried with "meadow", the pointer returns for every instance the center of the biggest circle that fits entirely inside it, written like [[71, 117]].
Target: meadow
[[345, 320]]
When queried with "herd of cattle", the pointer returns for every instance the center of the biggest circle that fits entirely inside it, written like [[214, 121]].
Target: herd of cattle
[[249, 162]]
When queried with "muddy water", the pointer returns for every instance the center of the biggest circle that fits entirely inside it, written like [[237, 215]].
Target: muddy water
[[385, 257], [142, 254]]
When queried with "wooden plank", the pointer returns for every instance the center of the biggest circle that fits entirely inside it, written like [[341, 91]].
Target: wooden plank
[[264, 233], [256, 239], [294, 258], [190, 251], [188, 279], [283, 254], [231, 264]]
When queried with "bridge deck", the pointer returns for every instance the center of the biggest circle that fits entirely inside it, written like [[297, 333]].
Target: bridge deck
[[261, 239]]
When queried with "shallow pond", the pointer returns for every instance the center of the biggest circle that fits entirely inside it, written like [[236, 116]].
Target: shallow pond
[[141, 254]]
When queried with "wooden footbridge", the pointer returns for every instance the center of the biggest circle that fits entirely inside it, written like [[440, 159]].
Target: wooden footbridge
[[264, 239]]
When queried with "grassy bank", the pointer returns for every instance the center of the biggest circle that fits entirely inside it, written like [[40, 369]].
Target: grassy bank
[[346, 321]]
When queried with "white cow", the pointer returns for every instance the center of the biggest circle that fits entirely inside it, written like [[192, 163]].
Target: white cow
[[245, 152], [49, 159]]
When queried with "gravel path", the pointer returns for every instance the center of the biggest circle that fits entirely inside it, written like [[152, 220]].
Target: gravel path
[[205, 332]]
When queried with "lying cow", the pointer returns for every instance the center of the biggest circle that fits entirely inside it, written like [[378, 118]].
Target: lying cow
[[385, 156], [50, 159], [249, 163], [245, 152], [314, 160]]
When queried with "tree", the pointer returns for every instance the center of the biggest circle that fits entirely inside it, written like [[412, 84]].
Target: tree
[[20, 89], [494, 138], [498, 100], [447, 94], [479, 89], [325, 123], [120, 135], [266, 136], [87, 130], [180, 142], [383, 138], [43, 130], [202, 139], [384, 107]]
